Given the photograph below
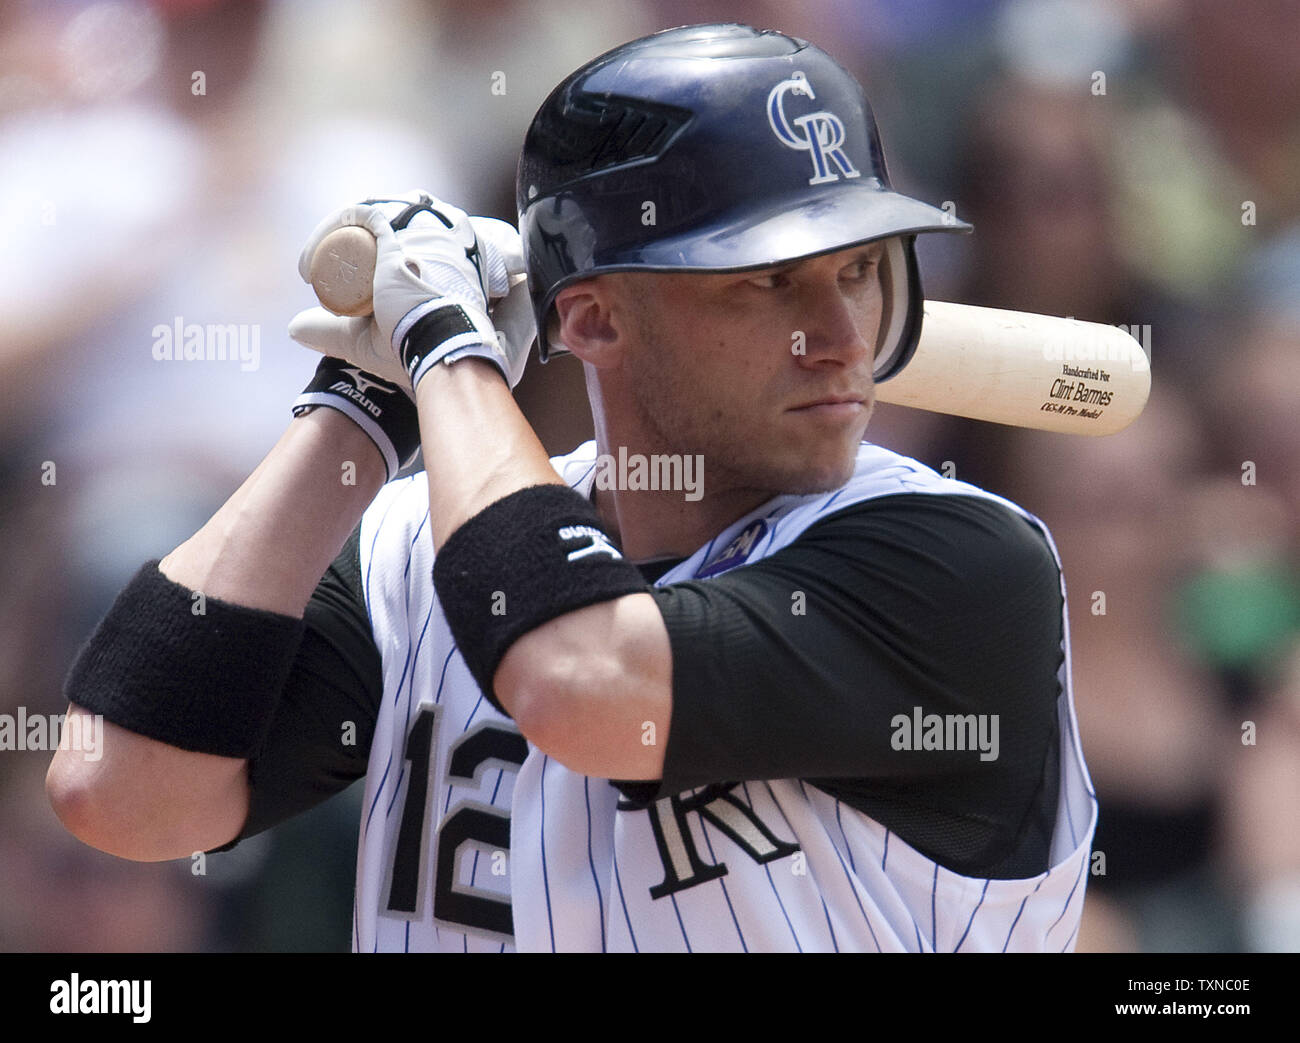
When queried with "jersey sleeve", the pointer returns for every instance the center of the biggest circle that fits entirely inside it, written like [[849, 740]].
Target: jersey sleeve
[[321, 734], [818, 661]]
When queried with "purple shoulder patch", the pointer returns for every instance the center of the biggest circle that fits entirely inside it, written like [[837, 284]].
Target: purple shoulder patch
[[735, 552]]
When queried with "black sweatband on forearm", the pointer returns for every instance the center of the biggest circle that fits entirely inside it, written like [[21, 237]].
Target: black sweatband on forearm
[[531, 556], [196, 673]]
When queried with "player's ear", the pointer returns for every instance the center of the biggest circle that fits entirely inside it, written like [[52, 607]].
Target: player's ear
[[584, 317]]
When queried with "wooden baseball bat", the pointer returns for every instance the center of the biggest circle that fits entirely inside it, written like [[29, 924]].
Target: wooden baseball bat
[[1006, 367]]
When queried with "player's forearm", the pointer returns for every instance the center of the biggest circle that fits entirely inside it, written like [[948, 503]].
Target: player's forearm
[[478, 447], [269, 544]]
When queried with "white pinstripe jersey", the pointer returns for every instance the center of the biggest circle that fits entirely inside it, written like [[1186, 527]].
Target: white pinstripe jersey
[[473, 840]]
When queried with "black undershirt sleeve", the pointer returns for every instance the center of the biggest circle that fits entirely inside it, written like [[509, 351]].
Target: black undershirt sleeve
[[805, 664], [320, 737]]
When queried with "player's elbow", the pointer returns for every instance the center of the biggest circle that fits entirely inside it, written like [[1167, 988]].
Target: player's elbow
[[593, 730], [71, 795], [556, 702], [86, 806], [143, 800], [599, 707], [541, 700]]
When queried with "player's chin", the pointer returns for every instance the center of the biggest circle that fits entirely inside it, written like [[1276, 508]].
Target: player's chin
[[832, 477], [830, 421], [842, 467], [820, 468]]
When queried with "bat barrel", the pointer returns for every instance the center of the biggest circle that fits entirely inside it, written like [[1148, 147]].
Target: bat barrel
[[1027, 370]]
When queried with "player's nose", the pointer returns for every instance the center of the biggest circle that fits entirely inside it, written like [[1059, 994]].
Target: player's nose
[[839, 326]]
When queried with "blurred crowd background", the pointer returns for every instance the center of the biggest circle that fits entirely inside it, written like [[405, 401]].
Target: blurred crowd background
[[1124, 162]]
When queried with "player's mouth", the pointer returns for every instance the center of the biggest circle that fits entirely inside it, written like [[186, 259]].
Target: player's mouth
[[833, 407]]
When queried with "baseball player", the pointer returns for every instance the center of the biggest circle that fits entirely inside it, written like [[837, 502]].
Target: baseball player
[[817, 698]]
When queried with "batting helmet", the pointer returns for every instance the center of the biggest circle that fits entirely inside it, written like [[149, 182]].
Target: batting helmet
[[714, 148]]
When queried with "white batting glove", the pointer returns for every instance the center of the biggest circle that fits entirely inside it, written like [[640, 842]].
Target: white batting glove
[[512, 314], [438, 272]]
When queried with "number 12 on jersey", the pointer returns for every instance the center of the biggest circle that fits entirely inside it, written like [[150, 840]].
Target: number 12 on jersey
[[467, 825]]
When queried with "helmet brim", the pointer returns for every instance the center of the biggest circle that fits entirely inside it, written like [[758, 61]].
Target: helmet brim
[[839, 217], [842, 216]]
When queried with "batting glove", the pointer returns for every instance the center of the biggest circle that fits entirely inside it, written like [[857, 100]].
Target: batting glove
[[438, 275]]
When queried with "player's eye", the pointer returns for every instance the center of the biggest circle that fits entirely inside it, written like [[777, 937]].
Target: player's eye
[[771, 281], [865, 268]]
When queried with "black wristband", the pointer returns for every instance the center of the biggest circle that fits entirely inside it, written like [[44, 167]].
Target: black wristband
[[193, 672], [433, 330], [382, 410], [531, 556]]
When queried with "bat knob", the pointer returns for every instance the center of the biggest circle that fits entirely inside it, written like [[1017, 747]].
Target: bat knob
[[343, 271]]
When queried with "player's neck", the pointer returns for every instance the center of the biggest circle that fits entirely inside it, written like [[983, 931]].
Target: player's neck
[[652, 524], [654, 502]]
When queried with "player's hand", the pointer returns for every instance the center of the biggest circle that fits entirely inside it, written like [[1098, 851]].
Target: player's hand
[[438, 274]]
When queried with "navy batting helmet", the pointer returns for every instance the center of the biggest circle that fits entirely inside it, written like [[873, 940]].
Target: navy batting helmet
[[714, 148]]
